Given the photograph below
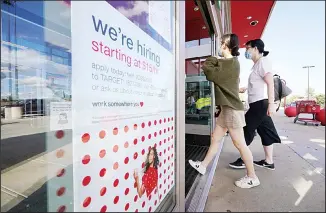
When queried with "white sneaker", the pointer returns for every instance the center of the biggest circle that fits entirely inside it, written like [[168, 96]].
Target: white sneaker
[[197, 165], [247, 182]]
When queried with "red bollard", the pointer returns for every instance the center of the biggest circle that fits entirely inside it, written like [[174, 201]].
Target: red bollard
[[290, 111]]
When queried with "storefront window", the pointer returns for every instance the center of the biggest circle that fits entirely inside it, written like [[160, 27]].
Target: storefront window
[[87, 106]]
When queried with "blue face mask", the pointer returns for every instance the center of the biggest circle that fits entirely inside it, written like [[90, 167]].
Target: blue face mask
[[248, 55], [220, 53]]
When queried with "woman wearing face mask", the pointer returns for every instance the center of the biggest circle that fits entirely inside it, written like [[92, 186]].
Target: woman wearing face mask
[[225, 73], [261, 104]]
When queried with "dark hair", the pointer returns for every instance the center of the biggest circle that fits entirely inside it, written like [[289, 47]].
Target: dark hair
[[259, 44], [232, 42], [156, 160]]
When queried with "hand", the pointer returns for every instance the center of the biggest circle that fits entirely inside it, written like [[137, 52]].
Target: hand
[[271, 109], [242, 89], [135, 174]]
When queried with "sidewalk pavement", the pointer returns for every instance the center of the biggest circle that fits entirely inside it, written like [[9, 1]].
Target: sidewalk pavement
[[297, 184]]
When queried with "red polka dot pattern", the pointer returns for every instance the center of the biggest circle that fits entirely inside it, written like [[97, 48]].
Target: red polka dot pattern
[[115, 152]]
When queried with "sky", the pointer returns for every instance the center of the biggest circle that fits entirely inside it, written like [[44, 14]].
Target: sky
[[295, 37]]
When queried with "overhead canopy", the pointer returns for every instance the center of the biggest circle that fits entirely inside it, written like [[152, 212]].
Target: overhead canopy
[[195, 25], [245, 12]]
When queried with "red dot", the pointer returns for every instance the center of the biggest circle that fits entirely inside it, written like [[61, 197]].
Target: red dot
[[86, 137], [164, 180], [155, 145], [143, 152], [143, 138], [164, 130], [164, 161], [155, 203], [103, 191], [116, 200], [102, 172], [160, 143], [61, 191], [160, 164], [61, 172], [135, 141], [160, 196], [168, 119], [164, 140], [59, 134], [164, 120], [127, 191], [164, 171], [172, 127], [168, 138], [115, 148], [164, 151], [150, 209], [161, 175], [160, 121], [127, 207], [102, 134], [172, 118], [126, 160], [136, 198], [104, 208], [143, 125], [126, 176], [168, 129], [126, 129], [136, 210], [172, 136], [169, 158], [160, 132], [102, 153], [135, 155], [160, 153], [61, 209], [86, 180], [164, 191], [143, 165], [143, 205], [116, 183], [155, 134], [135, 126], [149, 123], [87, 201], [115, 165], [115, 131], [126, 144], [150, 197], [155, 122], [160, 186], [86, 159], [149, 136]]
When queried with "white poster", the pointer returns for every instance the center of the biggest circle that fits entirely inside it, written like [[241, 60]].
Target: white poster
[[123, 103], [159, 17], [60, 116]]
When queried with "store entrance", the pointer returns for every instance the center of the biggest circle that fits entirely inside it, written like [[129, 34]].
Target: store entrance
[[198, 114]]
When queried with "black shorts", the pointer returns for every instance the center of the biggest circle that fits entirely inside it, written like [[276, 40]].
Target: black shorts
[[257, 119]]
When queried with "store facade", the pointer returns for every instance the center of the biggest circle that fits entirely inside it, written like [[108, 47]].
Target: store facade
[[93, 103]]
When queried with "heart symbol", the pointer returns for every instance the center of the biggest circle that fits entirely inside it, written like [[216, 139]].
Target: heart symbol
[[141, 104]]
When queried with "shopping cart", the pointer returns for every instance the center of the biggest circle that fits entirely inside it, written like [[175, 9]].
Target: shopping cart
[[307, 107]]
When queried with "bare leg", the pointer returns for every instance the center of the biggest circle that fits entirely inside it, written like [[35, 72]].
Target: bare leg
[[239, 142], [217, 135], [268, 154]]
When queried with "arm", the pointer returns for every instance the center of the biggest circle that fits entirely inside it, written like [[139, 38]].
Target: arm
[[140, 187], [267, 74], [270, 87], [210, 68]]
